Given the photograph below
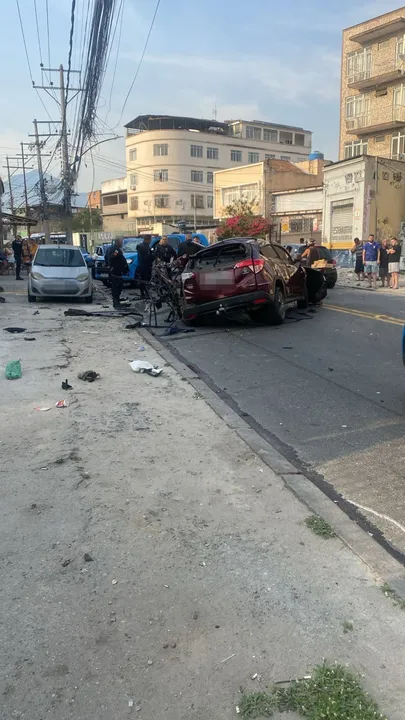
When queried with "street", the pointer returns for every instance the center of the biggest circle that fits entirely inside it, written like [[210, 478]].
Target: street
[[327, 388], [152, 564]]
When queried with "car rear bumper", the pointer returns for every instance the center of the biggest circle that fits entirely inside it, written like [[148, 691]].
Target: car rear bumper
[[246, 301]]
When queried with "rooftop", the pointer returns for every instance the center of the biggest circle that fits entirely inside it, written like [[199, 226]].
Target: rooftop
[[265, 123], [144, 123]]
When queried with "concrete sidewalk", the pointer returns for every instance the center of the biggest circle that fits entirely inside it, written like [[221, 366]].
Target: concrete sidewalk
[[347, 278], [202, 570]]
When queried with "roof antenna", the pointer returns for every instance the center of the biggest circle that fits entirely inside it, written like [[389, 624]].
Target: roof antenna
[[214, 111]]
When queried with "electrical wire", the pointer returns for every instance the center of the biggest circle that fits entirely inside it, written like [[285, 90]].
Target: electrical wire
[[116, 56], [47, 32], [24, 40], [38, 35], [72, 29], [140, 61]]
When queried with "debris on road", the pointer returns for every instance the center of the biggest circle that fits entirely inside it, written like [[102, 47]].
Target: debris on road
[[87, 557], [65, 385], [29, 339], [13, 370], [142, 366], [42, 409], [88, 375], [77, 312], [114, 582], [15, 329], [62, 404]]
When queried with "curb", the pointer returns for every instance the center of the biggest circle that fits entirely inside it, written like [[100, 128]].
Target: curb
[[382, 564]]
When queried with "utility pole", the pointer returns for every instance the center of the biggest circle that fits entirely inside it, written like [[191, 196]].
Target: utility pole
[[11, 194], [23, 168], [44, 199]]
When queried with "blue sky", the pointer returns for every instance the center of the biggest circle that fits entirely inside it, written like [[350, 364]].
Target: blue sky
[[255, 60]]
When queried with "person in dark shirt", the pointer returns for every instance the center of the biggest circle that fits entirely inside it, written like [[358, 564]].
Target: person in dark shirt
[[384, 277], [145, 261], [394, 255], [118, 268], [189, 246], [164, 252], [18, 250], [357, 251]]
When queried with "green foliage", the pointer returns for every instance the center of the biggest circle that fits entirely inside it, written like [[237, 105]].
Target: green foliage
[[87, 220], [320, 527]]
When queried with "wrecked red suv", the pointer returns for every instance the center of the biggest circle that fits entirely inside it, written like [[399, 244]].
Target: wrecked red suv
[[238, 274]]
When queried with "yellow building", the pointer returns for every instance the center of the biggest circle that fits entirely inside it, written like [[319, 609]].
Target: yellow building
[[372, 105]]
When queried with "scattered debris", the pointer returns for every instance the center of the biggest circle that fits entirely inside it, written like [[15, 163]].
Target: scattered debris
[[88, 375], [62, 404], [91, 332], [142, 348], [30, 339], [15, 329], [173, 645], [2, 299], [65, 385], [237, 710], [43, 409], [77, 312], [13, 370], [133, 326], [287, 347], [228, 658], [330, 369], [393, 595], [165, 646], [142, 366], [347, 626], [150, 662], [88, 557], [195, 615], [130, 703], [114, 582], [174, 330], [67, 562]]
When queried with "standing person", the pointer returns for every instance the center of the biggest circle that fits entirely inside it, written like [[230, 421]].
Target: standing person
[[371, 260], [384, 275], [311, 253], [189, 246], [10, 257], [357, 251], [18, 253], [118, 268], [394, 255], [26, 255], [145, 261], [165, 252]]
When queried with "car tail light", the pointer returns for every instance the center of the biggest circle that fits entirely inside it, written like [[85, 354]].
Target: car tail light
[[254, 266], [260, 301]]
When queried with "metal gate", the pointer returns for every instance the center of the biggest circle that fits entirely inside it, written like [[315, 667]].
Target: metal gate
[[342, 224]]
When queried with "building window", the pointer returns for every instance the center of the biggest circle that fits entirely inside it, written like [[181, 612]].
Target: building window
[[285, 157], [398, 146], [134, 202], [249, 192], [230, 195], [356, 148], [357, 111], [161, 175], [196, 151], [253, 157], [253, 133], [270, 135], [299, 139], [359, 65], [286, 137], [236, 156], [210, 177], [235, 130], [210, 201], [379, 138], [269, 157], [401, 48], [301, 225], [122, 198], [212, 153], [162, 201], [133, 178], [197, 176], [197, 201], [160, 149], [132, 155]]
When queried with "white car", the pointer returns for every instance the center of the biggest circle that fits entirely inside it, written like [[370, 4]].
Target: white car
[[60, 271]]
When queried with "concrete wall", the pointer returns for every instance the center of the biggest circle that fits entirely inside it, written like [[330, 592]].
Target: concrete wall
[[117, 224], [383, 52], [113, 186]]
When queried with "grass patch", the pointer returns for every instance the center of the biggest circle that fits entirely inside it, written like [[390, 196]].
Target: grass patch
[[396, 599], [332, 693], [320, 527]]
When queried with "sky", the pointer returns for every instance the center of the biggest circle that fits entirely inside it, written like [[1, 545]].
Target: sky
[[259, 60]]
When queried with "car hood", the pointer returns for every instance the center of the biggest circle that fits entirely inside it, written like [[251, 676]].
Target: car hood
[[67, 273], [130, 255]]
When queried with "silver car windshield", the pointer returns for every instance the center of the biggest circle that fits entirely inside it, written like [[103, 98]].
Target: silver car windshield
[[59, 257]]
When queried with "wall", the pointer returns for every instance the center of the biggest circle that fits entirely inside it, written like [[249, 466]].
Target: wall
[[94, 199], [117, 224], [298, 206], [388, 208], [346, 181], [237, 178], [115, 185]]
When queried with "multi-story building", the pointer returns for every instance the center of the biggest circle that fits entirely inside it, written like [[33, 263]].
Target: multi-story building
[[94, 200], [372, 107], [114, 205], [171, 162]]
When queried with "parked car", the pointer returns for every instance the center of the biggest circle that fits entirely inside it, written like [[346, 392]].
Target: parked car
[[236, 275], [61, 271], [323, 261]]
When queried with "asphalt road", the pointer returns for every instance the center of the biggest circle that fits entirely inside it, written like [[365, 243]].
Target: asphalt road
[[328, 388]]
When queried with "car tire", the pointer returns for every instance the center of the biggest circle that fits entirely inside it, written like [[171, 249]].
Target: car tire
[[277, 308], [303, 304], [31, 298], [331, 284], [88, 299]]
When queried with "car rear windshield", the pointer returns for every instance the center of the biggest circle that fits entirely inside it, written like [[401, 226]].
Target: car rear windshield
[[132, 246], [59, 257], [220, 255]]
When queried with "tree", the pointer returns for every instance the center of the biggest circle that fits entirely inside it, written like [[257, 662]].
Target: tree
[[242, 221], [87, 220]]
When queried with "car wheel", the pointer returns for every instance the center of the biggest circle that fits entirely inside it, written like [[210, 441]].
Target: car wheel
[[331, 284], [303, 304], [31, 298], [88, 299], [277, 309]]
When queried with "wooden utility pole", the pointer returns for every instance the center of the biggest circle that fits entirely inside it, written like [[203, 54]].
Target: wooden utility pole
[[11, 194], [44, 199]]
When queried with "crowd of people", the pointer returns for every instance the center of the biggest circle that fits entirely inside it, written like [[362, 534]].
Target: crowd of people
[[375, 260], [17, 254]]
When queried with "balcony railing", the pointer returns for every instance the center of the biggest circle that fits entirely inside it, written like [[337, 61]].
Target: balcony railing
[[378, 75], [357, 123], [371, 122]]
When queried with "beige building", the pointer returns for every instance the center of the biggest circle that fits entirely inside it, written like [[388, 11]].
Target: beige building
[[171, 162], [259, 182], [372, 107], [299, 214], [115, 207]]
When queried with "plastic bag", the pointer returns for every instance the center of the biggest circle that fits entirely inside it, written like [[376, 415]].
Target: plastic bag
[[13, 370], [142, 366]]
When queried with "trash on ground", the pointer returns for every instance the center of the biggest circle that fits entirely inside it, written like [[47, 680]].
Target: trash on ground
[[130, 703], [142, 348], [175, 330], [62, 404], [65, 563], [15, 329], [65, 385], [2, 299], [29, 339], [88, 375], [228, 658], [91, 332], [13, 370], [142, 366], [77, 312], [88, 557], [114, 582], [133, 326], [43, 409]]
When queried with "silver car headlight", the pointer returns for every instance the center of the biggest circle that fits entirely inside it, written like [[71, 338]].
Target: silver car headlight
[[83, 277]]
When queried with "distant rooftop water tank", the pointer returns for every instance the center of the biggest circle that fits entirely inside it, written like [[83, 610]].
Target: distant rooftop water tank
[[316, 155]]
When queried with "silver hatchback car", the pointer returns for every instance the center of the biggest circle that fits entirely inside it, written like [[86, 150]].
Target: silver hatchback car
[[60, 271]]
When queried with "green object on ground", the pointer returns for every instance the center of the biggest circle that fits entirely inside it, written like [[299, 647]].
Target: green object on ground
[[13, 370]]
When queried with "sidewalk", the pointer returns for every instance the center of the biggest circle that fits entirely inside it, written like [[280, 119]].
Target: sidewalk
[[347, 278], [202, 572]]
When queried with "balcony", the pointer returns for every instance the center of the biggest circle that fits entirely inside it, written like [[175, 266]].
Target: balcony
[[370, 124], [383, 75], [373, 35]]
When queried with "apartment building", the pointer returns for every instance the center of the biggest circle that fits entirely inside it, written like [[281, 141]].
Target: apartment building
[[171, 161], [114, 204], [372, 108]]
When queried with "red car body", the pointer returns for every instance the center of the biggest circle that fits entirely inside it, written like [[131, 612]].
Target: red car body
[[238, 274]]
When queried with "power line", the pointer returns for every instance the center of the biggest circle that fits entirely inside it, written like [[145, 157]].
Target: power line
[[24, 41], [140, 61], [121, 11], [38, 35], [47, 33], [72, 29]]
